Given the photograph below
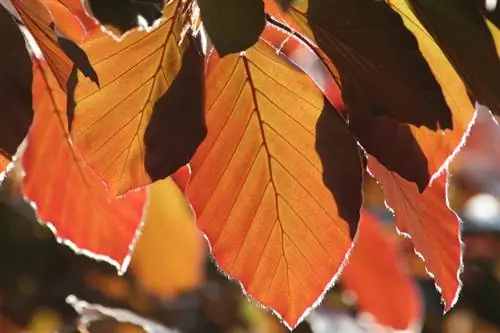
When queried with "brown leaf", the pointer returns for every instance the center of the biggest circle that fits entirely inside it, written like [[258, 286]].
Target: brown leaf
[[377, 58], [461, 31], [15, 89]]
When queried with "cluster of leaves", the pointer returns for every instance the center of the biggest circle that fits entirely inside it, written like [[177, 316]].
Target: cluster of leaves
[[263, 115]]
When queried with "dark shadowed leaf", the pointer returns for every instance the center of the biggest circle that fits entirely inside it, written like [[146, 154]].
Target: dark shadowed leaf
[[377, 59], [462, 33], [177, 125], [263, 186], [121, 16], [16, 112], [425, 151], [232, 26]]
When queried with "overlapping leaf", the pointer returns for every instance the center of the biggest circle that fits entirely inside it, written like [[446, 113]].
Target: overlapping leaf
[[15, 89], [276, 184], [65, 191], [381, 285], [432, 225], [377, 58], [459, 28], [110, 120], [39, 22]]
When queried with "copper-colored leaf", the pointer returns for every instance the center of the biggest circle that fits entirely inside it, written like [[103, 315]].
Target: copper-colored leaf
[[461, 31], [170, 254], [65, 21], [110, 120], [379, 64], [15, 89], [39, 22], [66, 193], [381, 285], [261, 180], [432, 225]]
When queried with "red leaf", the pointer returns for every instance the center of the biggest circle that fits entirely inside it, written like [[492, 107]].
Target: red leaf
[[433, 226], [379, 281], [66, 193]]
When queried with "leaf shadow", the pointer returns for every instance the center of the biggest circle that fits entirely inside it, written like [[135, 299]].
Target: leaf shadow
[[177, 126], [343, 164]]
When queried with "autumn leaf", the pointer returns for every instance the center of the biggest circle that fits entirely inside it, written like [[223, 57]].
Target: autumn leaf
[[379, 64], [426, 151], [232, 26], [15, 89], [65, 21], [263, 180], [461, 31], [170, 255], [432, 225], [110, 120], [80, 10], [39, 21], [67, 195], [381, 285]]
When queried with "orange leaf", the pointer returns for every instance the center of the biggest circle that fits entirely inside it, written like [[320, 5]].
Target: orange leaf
[[381, 285], [66, 193], [38, 20], [111, 120], [261, 180], [65, 21], [170, 254], [77, 8], [15, 89], [432, 225]]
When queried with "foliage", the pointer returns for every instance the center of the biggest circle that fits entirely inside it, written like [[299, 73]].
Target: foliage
[[260, 121]]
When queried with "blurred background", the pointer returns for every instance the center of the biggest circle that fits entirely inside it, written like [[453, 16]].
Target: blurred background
[[161, 286]]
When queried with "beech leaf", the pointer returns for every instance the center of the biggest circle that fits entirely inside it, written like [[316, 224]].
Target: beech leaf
[[276, 185], [431, 224], [110, 120], [459, 27], [66, 193]]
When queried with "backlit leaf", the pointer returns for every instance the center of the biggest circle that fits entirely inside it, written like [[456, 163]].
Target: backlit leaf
[[379, 64], [425, 151], [15, 89], [461, 31], [276, 184], [170, 255], [39, 21], [432, 225], [66, 193], [232, 26], [64, 20], [110, 120], [381, 285]]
